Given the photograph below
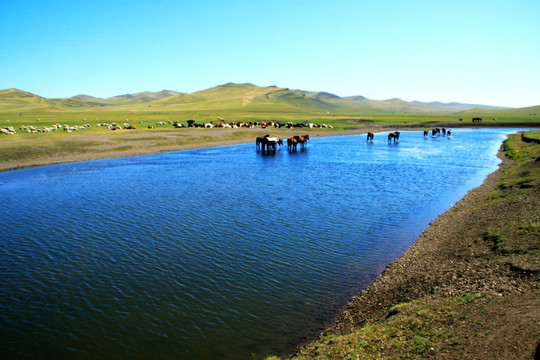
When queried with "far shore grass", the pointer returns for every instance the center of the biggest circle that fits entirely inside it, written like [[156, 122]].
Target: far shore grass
[[154, 132]]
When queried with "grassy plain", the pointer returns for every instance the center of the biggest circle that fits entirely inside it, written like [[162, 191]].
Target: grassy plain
[[154, 132]]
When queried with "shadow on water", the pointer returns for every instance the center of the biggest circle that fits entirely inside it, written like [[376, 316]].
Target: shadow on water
[[268, 152], [303, 150]]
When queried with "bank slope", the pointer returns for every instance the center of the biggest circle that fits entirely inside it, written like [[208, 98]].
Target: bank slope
[[467, 288]]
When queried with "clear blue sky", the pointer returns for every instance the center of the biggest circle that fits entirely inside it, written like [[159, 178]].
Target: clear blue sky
[[483, 52]]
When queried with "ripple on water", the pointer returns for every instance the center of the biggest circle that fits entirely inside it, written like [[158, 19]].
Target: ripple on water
[[215, 253]]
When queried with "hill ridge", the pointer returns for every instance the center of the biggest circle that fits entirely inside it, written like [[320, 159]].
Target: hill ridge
[[247, 96]]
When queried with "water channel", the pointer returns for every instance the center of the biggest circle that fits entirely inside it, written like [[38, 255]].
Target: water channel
[[218, 252]]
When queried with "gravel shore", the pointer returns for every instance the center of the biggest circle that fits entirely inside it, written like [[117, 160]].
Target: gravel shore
[[455, 257]]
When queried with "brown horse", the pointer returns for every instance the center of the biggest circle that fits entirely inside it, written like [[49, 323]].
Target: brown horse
[[394, 136], [369, 137], [426, 132], [291, 144], [302, 140]]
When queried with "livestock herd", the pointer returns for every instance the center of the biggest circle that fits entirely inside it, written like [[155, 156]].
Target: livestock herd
[[221, 123], [250, 125], [10, 130], [394, 136], [269, 143]]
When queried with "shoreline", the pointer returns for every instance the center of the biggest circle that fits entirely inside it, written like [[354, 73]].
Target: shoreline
[[199, 138], [373, 303], [452, 260], [429, 241], [84, 147]]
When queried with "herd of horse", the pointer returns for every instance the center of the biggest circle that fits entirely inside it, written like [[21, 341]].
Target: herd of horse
[[391, 137], [269, 143], [436, 131], [394, 136]]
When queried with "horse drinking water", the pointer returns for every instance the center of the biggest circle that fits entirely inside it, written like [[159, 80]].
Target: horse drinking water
[[369, 137], [394, 136]]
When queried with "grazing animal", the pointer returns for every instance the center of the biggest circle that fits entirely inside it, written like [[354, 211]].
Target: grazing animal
[[268, 143], [426, 132], [393, 136], [258, 142], [291, 144], [369, 137], [302, 140], [449, 133]]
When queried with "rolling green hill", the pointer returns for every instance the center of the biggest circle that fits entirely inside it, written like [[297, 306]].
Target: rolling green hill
[[251, 101], [18, 100], [248, 97], [142, 97], [532, 112]]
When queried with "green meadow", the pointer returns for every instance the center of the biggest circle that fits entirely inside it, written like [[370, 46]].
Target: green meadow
[[242, 103], [152, 113]]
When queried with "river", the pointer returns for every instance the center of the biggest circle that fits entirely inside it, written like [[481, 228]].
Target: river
[[219, 252]]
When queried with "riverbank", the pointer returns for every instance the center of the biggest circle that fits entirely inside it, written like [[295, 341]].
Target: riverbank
[[46, 149], [469, 286], [30, 150]]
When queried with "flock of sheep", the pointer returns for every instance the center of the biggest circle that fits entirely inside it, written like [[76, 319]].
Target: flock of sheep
[[252, 124], [10, 130]]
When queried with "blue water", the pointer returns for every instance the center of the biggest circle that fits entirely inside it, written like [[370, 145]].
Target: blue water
[[215, 253]]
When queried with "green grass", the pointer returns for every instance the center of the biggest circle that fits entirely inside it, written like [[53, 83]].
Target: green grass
[[517, 241], [525, 175], [49, 148], [232, 102], [243, 102], [412, 330]]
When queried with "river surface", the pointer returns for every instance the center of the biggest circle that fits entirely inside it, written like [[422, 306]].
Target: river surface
[[219, 252]]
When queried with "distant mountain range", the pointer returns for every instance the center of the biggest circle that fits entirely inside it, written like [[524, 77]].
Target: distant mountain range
[[142, 97], [460, 106], [232, 96]]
